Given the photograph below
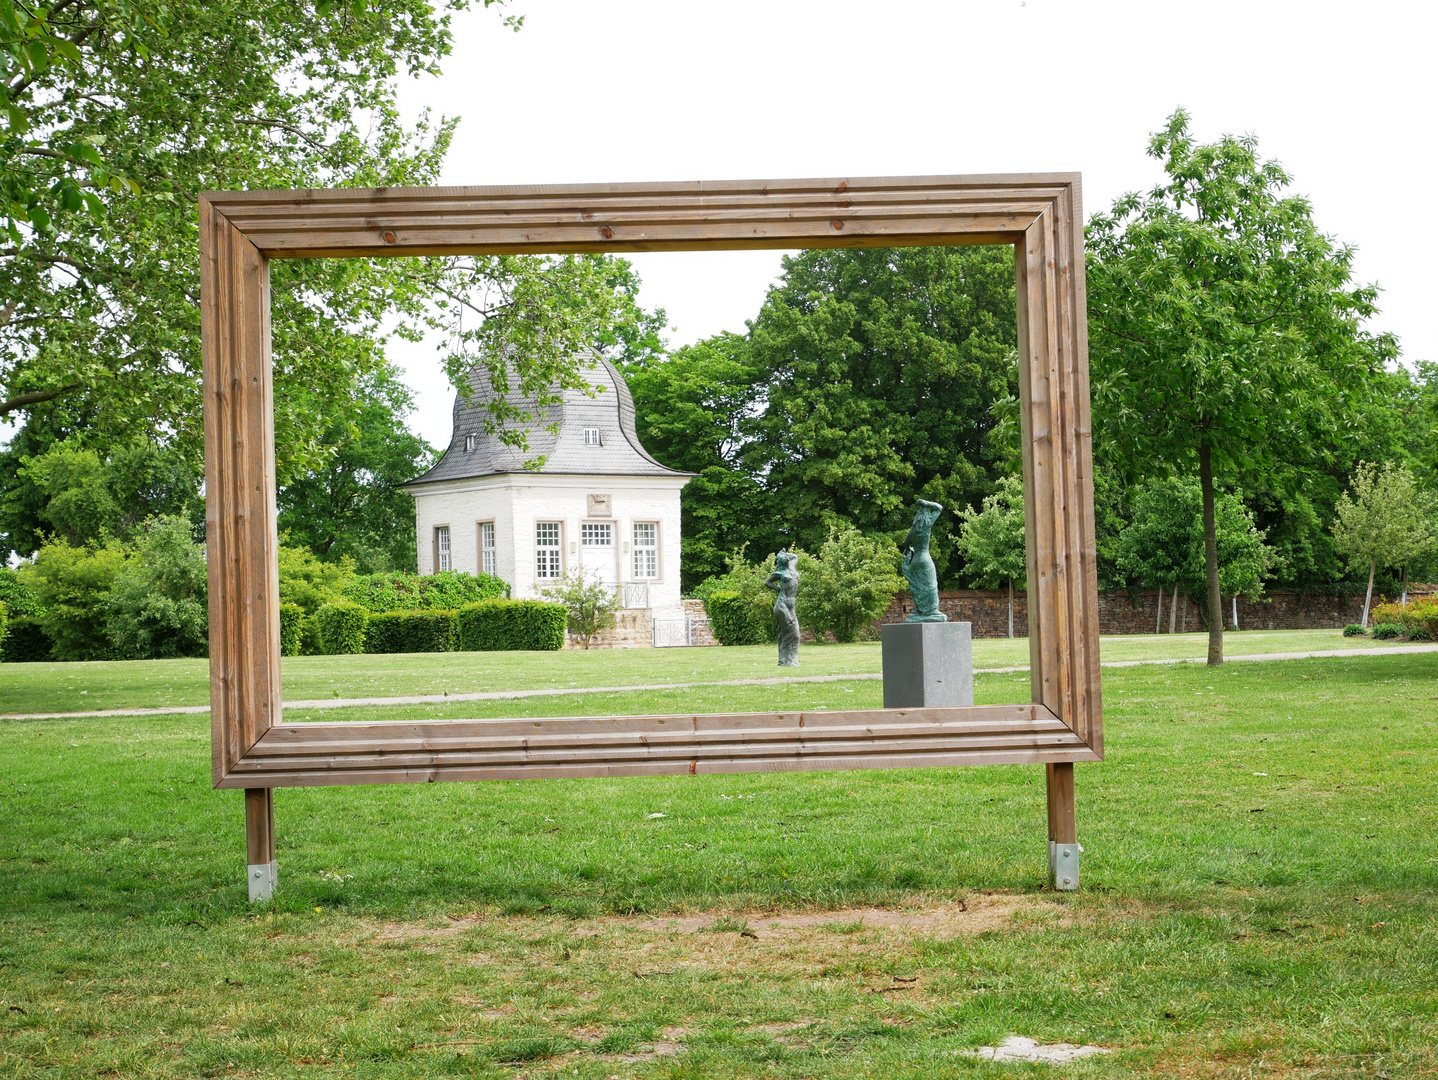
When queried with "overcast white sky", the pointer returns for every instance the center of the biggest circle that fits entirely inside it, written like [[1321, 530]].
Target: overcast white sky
[[612, 90]]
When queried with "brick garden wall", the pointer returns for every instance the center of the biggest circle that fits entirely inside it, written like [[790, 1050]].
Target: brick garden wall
[[1122, 613]]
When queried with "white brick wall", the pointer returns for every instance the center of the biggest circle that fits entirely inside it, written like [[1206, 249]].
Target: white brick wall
[[516, 502]]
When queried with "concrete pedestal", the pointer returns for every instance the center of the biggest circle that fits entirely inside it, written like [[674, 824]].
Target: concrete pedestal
[[928, 665]]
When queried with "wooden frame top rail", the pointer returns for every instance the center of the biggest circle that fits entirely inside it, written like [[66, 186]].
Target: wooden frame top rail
[[1039, 214], [642, 217]]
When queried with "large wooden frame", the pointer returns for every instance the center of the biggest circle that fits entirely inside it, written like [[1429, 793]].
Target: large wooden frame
[[1039, 214]]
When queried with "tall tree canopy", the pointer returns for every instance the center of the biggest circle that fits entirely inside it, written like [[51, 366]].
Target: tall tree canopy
[[1226, 334]]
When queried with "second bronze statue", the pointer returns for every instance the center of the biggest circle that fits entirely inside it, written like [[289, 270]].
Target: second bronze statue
[[918, 566]]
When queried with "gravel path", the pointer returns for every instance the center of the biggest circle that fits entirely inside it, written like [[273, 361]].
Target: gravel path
[[504, 695]]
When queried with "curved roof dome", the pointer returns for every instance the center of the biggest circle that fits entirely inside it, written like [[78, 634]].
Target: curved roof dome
[[610, 411]]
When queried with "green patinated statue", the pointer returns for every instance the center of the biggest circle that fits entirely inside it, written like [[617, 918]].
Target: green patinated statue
[[785, 581], [919, 565]]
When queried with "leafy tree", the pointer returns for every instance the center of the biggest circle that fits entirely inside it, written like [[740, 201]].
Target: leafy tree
[[72, 587], [158, 605], [848, 585], [880, 370], [591, 604], [352, 506], [695, 411], [1165, 545], [1227, 337], [307, 582], [78, 494], [1384, 518], [992, 540]]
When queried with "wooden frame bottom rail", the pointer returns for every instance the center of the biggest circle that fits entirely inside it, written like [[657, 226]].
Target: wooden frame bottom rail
[[311, 754]]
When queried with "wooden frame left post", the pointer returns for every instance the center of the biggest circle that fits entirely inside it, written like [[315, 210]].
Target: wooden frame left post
[[240, 519]]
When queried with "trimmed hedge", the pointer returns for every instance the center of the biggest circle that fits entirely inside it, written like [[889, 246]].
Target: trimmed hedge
[[411, 632], [292, 620], [505, 625], [342, 627], [732, 619], [400, 591], [27, 642]]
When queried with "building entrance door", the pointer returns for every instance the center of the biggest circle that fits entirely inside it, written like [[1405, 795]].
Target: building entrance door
[[596, 551]]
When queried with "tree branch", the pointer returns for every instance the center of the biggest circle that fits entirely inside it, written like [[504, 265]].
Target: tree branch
[[21, 401]]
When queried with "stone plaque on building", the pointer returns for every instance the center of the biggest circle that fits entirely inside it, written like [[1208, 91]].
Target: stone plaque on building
[[599, 505]]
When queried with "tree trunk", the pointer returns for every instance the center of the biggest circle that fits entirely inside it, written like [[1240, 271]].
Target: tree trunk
[[1210, 554], [1011, 607], [1368, 597], [1173, 611], [1404, 601], [1158, 618]]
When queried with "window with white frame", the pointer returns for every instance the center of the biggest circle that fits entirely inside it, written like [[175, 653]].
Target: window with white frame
[[591, 436], [441, 548], [546, 549], [596, 534], [471, 441], [486, 547], [646, 550]]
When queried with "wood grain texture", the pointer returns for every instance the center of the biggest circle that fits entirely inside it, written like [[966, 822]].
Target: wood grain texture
[[1039, 214], [829, 212], [399, 751], [259, 826], [1063, 824], [240, 520]]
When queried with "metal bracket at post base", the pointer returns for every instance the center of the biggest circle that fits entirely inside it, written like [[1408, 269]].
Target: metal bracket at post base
[[262, 878], [1064, 866]]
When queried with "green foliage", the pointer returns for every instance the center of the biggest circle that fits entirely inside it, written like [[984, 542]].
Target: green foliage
[[72, 587], [1387, 631], [81, 496], [848, 585], [1354, 629], [734, 619], [351, 506], [292, 620], [1418, 620], [502, 625], [158, 605], [16, 593], [427, 630], [342, 627], [1384, 518], [755, 603], [448, 589], [307, 582], [1164, 544], [27, 643], [4, 628], [591, 604], [992, 539]]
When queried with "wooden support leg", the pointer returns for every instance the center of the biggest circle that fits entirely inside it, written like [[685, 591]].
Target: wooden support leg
[[1063, 828], [261, 869]]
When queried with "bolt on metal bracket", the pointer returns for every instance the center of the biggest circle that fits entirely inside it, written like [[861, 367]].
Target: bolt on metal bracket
[[262, 878], [1064, 860]]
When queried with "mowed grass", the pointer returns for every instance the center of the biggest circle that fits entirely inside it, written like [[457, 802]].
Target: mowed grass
[[35, 688], [1259, 899]]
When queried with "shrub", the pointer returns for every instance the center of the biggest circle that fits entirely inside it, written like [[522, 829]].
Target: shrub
[[502, 625], [411, 632], [16, 594], [158, 607], [1387, 631], [72, 587], [311, 644], [733, 619], [1353, 629], [590, 602], [848, 585], [4, 628], [26, 641], [1420, 616], [342, 627], [292, 621], [411, 592], [747, 581], [309, 583]]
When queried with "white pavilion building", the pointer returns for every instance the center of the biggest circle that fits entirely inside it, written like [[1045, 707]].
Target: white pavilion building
[[599, 503]]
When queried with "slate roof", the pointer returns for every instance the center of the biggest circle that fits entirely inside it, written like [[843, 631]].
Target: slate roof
[[611, 410]]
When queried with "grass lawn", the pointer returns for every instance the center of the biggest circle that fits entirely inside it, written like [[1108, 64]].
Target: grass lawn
[[32, 688], [1260, 872]]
